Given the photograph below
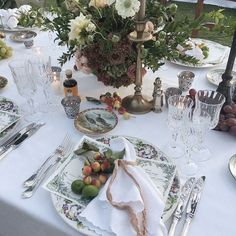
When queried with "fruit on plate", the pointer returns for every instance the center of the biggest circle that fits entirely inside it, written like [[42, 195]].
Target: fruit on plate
[[90, 191], [87, 170], [77, 186], [114, 102], [98, 165]]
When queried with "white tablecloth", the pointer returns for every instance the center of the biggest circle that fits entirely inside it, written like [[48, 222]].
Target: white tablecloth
[[36, 216]]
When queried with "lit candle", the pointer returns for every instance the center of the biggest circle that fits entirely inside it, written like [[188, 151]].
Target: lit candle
[[56, 83], [141, 13]]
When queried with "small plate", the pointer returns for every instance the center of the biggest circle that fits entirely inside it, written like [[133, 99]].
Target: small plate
[[23, 36], [214, 76], [9, 106], [16, 29], [7, 119], [3, 82], [232, 165], [95, 121]]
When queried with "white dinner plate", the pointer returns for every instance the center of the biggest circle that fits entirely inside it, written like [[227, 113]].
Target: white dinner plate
[[217, 54], [214, 76], [69, 210], [16, 29]]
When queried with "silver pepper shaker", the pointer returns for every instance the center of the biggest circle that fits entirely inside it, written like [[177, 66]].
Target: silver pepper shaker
[[157, 96]]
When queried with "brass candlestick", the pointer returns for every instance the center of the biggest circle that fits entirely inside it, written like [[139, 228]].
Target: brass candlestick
[[137, 103], [225, 85]]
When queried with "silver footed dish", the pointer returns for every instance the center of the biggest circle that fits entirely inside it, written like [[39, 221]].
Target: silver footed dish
[[232, 165], [23, 36]]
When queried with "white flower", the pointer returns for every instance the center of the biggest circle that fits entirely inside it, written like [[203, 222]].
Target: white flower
[[25, 9], [109, 2], [91, 27], [127, 8], [80, 28]]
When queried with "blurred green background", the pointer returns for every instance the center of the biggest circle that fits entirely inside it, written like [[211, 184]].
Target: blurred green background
[[184, 9]]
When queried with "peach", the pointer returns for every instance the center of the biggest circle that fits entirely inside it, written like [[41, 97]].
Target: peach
[[96, 166], [97, 156], [105, 165], [96, 182], [87, 170], [87, 179], [102, 178]]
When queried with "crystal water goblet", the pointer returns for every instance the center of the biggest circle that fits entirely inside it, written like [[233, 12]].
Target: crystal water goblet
[[190, 136], [201, 152], [39, 67], [26, 87], [211, 102], [178, 107]]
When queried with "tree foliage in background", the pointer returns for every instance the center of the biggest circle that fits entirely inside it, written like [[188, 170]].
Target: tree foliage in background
[[106, 47]]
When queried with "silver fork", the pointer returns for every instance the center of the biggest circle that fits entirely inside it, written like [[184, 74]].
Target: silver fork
[[58, 151], [30, 191]]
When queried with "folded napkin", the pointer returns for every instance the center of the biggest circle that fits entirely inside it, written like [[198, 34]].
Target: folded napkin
[[195, 51], [9, 17], [129, 204]]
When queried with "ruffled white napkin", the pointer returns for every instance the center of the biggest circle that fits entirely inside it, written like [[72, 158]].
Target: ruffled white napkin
[[195, 51], [10, 17], [130, 187]]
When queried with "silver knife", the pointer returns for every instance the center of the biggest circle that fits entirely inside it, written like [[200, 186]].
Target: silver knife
[[16, 136], [185, 192], [18, 141], [192, 204]]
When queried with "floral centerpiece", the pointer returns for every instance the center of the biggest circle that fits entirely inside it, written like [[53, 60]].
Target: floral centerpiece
[[96, 32]]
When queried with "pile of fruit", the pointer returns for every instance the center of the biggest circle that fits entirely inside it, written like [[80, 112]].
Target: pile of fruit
[[5, 51], [96, 170], [227, 120], [114, 102]]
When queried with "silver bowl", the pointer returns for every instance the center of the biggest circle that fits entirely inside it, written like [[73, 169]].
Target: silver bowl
[[23, 36]]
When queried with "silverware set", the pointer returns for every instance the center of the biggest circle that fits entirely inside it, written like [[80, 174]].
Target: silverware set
[[60, 153], [189, 199], [18, 138]]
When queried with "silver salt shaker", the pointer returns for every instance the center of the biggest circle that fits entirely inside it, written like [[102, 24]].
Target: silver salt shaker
[[157, 96]]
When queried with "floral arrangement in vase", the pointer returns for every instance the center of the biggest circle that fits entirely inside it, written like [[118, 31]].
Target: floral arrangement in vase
[[96, 33]]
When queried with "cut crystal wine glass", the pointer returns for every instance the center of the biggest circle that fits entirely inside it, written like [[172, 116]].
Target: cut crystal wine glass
[[26, 87], [178, 107], [211, 102]]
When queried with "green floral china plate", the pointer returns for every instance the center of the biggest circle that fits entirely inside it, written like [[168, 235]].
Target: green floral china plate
[[149, 157], [9, 106], [95, 121]]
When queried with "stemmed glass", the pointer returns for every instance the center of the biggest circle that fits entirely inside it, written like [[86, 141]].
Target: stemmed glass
[[210, 102], [178, 107], [39, 67], [193, 130], [26, 87]]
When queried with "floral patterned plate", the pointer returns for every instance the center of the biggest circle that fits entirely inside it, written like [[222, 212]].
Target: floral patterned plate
[[95, 121], [9, 106], [147, 152]]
